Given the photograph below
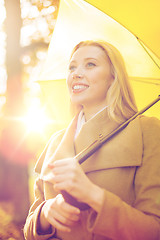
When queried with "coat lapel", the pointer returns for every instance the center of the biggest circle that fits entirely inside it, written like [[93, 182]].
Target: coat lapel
[[98, 126], [65, 149], [125, 149]]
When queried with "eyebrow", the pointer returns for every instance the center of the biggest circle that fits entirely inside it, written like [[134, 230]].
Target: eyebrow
[[88, 58]]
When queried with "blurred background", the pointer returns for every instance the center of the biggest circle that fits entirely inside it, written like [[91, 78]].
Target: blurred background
[[26, 27]]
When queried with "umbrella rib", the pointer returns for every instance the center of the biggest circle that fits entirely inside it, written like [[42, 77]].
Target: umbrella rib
[[140, 42], [138, 39], [143, 81]]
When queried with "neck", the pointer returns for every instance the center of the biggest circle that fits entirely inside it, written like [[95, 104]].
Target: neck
[[90, 112]]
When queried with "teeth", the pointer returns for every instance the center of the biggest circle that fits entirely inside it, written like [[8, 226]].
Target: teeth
[[76, 87]]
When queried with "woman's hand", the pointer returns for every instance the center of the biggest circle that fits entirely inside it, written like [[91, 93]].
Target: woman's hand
[[69, 176], [59, 214]]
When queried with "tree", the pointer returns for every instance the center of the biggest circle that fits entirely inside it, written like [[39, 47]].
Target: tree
[[14, 187], [14, 154]]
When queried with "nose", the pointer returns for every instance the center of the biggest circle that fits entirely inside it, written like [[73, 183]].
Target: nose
[[78, 73], [77, 76]]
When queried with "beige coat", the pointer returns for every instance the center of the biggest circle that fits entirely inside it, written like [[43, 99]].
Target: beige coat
[[128, 169]]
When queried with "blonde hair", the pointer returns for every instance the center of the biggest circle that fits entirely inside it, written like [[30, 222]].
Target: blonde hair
[[120, 98]]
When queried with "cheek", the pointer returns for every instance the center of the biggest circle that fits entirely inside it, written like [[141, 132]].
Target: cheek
[[101, 79], [68, 81], [106, 78], [101, 85]]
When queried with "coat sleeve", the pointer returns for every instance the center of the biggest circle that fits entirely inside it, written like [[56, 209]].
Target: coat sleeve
[[117, 219], [31, 228]]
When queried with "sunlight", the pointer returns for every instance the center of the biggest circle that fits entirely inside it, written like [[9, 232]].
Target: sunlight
[[3, 73], [36, 120], [2, 12]]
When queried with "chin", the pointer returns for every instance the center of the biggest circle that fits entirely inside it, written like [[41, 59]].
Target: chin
[[77, 100]]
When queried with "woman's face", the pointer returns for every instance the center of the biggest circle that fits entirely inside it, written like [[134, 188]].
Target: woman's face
[[89, 77]]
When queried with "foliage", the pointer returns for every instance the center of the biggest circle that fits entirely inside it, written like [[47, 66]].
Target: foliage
[[40, 16]]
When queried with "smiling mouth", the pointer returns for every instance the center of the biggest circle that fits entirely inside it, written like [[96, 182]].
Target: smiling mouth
[[79, 87]]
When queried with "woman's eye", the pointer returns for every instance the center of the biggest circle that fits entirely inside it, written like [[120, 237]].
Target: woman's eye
[[91, 64], [72, 68]]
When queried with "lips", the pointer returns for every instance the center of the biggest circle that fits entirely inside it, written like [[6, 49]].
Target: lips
[[79, 87]]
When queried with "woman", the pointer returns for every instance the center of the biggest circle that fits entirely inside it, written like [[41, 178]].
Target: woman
[[120, 182]]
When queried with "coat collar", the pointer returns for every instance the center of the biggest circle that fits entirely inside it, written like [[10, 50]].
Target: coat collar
[[98, 126], [125, 149]]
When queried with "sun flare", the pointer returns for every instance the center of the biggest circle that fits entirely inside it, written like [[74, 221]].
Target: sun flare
[[36, 120]]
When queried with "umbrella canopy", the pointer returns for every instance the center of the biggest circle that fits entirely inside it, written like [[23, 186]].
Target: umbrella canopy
[[133, 27], [139, 17]]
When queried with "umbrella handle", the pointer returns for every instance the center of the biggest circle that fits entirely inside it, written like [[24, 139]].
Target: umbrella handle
[[72, 201], [87, 152]]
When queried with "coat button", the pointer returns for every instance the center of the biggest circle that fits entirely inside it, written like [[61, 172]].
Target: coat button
[[100, 135]]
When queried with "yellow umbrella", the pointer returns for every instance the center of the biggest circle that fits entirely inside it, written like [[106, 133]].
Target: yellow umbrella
[[131, 26]]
